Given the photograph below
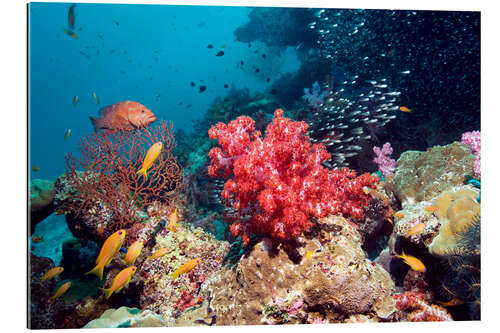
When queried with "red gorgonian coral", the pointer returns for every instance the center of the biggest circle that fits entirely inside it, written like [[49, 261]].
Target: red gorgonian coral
[[106, 174], [278, 180]]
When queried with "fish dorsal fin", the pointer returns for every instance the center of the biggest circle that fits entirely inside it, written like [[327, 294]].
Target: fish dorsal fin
[[104, 111]]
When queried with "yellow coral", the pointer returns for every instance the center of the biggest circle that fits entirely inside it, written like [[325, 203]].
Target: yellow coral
[[455, 209]]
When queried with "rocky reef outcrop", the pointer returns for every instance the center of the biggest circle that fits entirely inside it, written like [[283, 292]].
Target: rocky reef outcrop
[[324, 277]]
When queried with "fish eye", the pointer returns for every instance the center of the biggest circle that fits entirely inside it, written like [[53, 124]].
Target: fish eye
[[143, 111], [119, 233]]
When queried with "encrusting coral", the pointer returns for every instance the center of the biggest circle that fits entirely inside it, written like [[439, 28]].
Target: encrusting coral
[[417, 309], [126, 317], [324, 276], [421, 176], [456, 209]]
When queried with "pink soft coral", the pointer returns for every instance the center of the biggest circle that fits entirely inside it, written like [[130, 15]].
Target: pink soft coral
[[385, 163], [474, 139], [279, 182], [422, 311]]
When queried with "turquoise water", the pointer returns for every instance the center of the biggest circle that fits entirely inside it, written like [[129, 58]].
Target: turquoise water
[[130, 52]]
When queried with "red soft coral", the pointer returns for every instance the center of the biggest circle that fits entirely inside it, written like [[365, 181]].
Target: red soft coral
[[278, 180]]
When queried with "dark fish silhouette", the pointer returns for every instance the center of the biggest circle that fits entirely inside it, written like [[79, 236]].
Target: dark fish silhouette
[[220, 54], [225, 85], [257, 70], [192, 84], [71, 16], [202, 88], [210, 46], [268, 80], [264, 56]]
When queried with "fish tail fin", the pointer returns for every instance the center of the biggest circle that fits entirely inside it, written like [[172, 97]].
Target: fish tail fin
[[97, 270], [107, 292], [175, 275], [95, 122], [143, 172]]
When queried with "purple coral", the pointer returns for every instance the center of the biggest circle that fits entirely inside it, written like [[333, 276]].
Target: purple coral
[[474, 140], [314, 97], [385, 163]]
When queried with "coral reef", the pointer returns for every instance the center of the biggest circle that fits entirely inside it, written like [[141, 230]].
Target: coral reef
[[421, 176], [170, 297], [324, 276], [474, 140], [109, 194], [42, 314], [279, 182], [386, 165], [422, 311], [41, 201], [456, 209], [277, 27], [126, 317]]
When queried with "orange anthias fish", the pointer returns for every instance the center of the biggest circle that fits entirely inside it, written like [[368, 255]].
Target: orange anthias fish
[[188, 266], [71, 33], [126, 115], [398, 215], [52, 273], [159, 253], [405, 109], [75, 100], [453, 302], [431, 209], [413, 262], [133, 252], [151, 156], [62, 289], [416, 229], [120, 280], [174, 217], [67, 134], [36, 168], [108, 250]]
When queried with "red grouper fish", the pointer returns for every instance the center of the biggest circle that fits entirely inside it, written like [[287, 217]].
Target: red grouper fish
[[126, 115]]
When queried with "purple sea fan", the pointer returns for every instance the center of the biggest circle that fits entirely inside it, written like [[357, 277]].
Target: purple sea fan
[[385, 163]]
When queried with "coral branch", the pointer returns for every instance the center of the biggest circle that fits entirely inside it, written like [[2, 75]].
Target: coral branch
[[278, 181], [106, 176]]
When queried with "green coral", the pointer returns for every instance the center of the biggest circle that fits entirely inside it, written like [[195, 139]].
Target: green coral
[[276, 313]]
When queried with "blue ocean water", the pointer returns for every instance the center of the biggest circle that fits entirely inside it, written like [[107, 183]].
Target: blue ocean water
[[144, 53]]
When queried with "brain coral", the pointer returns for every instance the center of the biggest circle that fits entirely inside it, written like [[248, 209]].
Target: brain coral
[[327, 277], [423, 175], [456, 209]]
